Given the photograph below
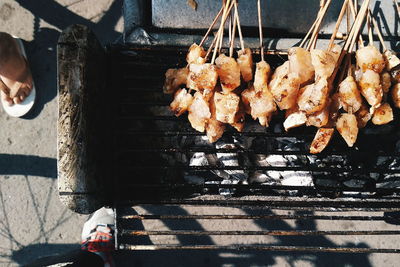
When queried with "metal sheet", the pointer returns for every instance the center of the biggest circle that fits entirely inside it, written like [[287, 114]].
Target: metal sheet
[[292, 16]]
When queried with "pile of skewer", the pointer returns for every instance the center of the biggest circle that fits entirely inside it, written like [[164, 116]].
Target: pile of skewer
[[320, 88]]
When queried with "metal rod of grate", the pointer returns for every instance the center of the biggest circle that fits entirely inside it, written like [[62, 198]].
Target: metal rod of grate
[[142, 117], [126, 232], [260, 248], [255, 217]]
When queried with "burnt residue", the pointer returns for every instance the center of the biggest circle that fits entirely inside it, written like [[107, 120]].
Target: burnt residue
[[159, 157]]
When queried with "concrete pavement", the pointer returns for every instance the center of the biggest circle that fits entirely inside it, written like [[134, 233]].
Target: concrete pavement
[[33, 222]]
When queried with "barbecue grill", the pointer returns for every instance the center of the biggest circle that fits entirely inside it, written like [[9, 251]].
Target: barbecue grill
[[120, 146]]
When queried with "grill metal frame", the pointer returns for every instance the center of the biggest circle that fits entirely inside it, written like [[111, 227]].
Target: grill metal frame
[[139, 191]]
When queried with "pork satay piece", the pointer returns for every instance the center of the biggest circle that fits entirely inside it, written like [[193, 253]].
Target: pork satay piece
[[246, 96], [383, 114], [334, 107], [386, 81], [214, 128], [391, 59], [350, 97], [229, 72], [395, 73], [265, 120], [370, 87], [181, 103], [196, 55], [199, 112], [284, 87], [227, 105], [363, 115], [294, 118], [300, 63], [347, 127], [335, 52], [369, 58], [324, 63], [245, 61], [321, 140], [319, 119], [261, 76], [260, 105], [395, 93], [281, 70], [314, 97], [202, 77], [174, 78], [239, 119]]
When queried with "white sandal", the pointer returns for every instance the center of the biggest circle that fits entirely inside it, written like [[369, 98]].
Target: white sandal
[[19, 110]]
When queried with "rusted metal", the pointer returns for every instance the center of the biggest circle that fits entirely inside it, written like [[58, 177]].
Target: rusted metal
[[252, 217], [125, 232], [260, 248]]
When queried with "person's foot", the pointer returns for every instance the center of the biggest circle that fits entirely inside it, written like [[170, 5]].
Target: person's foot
[[15, 76], [98, 235]]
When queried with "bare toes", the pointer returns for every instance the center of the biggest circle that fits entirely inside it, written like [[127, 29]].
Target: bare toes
[[17, 100], [7, 99], [22, 96]]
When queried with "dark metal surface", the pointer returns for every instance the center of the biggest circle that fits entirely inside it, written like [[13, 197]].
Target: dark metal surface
[[261, 248], [148, 139], [132, 224], [149, 143]]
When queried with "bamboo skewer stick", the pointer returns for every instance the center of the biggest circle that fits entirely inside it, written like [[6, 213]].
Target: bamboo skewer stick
[[310, 31], [233, 35], [220, 33], [211, 26], [355, 31], [211, 47], [378, 31], [353, 10], [314, 36], [260, 30], [239, 27], [370, 34], [230, 28], [338, 22]]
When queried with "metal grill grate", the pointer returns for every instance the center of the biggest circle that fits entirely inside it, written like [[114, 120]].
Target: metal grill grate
[[151, 160], [149, 228]]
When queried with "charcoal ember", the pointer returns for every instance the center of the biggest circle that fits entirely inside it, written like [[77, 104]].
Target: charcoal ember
[[230, 159], [197, 159], [395, 164], [271, 160], [293, 144], [390, 181], [194, 179], [335, 161], [356, 183], [375, 176], [324, 181], [296, 160], [297, 178], [382, 130], [262, 178], [388, 162], [227, 191]]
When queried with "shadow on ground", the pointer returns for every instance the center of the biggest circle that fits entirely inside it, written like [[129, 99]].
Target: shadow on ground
[[28, 165], [41, 52], [33, 252], [236, 258]]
